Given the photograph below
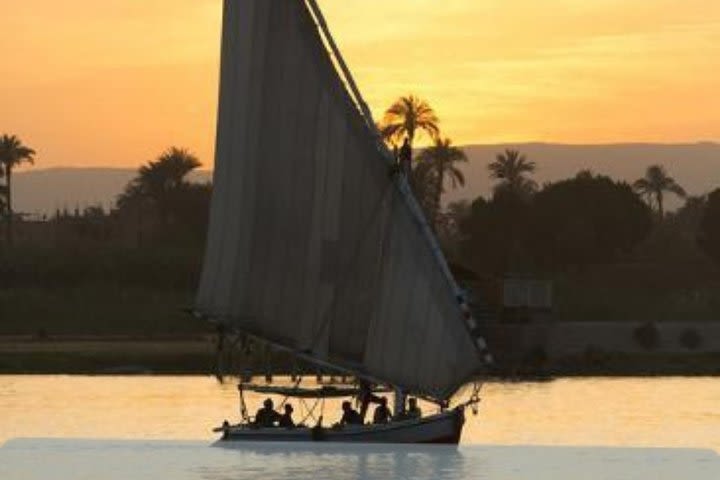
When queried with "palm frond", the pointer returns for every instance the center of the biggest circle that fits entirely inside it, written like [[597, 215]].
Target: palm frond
[[406, 117], [655, 182]]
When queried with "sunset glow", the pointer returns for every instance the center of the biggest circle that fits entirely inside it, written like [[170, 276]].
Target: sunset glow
[[115, 82]]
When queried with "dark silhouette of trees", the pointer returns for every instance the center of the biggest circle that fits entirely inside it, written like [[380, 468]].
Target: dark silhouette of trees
[[555, 228], [511, 169], [493, 233], [422, 181], [674, 240], [709, 229], [93, 211], [190, 203], [12, 154], [450, 231], [587, 219], [655, 184], [161, 176], [160, 194], [441, 160], [688, 216], [407, 117], [159, 182]]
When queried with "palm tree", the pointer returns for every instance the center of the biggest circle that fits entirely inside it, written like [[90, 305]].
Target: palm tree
[[160, 176], [654, 185], [158, 179], [442, 159], [168, 171], [422, 182], [12, 154], [456, 214], [511, 168], [406, 117]]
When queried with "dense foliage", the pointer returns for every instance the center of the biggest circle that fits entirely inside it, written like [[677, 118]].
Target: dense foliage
[[608, 256], [709, 228], [177, 209], [585, 220]]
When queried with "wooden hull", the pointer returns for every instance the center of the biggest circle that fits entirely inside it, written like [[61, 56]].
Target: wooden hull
[[443, 428]]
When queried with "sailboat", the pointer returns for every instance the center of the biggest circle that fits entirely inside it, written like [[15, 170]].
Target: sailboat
[[316, 244]]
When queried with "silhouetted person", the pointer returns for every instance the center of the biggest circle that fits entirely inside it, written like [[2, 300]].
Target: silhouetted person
[[413, 411], [399, 402], [365, 397], [350, 415], [405, 157], [267, 416], [382, 412], [286, 420], [225, 429]]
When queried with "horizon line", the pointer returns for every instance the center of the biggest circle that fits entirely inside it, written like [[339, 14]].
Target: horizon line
[[709, 143]]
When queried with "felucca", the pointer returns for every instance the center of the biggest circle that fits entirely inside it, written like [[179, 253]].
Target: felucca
[[316, 244]]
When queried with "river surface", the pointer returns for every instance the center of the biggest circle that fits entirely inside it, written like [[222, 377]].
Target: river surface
[[160, 427]]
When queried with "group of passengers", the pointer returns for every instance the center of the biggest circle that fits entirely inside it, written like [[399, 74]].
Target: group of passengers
[[267, 416], [382, 413]]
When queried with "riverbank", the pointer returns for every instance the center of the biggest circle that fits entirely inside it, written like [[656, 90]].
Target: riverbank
[[197, 354], [107, 355]]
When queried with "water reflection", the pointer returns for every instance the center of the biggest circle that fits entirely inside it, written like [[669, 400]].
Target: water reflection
[[154, 460], [337, 461]]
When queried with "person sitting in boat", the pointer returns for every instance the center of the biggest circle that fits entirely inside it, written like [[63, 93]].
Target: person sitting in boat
[[382, 412], [366, 396], [413, 411], [286, 420], [267, 416], [350, 415]]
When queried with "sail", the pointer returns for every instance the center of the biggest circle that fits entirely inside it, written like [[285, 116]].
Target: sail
[[313, 244]]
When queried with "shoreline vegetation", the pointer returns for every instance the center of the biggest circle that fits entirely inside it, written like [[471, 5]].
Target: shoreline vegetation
[[95, 291], [196, 355]]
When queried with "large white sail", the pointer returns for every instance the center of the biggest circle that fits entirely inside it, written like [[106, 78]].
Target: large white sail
[[312, 243]]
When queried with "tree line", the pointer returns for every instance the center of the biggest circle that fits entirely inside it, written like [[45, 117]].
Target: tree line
[[521, 226], [159, 195]]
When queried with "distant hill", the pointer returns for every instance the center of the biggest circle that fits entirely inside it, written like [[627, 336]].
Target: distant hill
[[695, 166], [39, 192]]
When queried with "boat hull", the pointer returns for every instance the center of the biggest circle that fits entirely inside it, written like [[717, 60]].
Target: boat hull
[[443, 428]]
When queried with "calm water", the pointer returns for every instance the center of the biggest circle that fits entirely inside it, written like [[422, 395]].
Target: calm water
[[159, 427]]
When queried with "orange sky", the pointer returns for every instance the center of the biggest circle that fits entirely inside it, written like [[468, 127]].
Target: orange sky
[[114, 82]]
